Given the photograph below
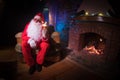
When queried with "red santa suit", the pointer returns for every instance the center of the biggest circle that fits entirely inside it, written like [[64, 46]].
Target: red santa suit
[[34, 36]]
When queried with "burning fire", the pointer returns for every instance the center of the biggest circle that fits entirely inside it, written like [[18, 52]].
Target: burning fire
[[92, 50]]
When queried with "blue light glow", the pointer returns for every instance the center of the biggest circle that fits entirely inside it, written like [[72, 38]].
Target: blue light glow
[[62, 28]]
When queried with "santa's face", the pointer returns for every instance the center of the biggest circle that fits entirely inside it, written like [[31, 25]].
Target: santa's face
[[34, 29], [36, 22]]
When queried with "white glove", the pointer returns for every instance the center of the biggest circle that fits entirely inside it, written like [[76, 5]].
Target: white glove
[[44, 24], [32, 43]]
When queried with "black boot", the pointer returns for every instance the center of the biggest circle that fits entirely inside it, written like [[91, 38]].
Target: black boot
[[32, 69], [39, 67]]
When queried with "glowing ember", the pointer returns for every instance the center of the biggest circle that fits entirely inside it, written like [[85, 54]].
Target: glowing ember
[[92, 50]]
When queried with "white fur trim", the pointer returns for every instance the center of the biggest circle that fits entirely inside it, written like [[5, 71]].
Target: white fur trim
[[44, 33]]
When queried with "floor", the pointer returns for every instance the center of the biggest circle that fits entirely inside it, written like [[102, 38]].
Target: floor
[[62, 70], [11, 68]]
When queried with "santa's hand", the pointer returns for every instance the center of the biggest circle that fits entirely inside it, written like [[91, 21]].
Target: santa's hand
[[44, 24], [32, 43]]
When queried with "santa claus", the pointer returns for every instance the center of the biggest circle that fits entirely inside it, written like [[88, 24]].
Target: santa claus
[[34, 37]]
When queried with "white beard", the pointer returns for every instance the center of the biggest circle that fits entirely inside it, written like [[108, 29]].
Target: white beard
[[34, 31]]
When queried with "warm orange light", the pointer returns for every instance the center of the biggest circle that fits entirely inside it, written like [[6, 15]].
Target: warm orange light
[[91, 50]]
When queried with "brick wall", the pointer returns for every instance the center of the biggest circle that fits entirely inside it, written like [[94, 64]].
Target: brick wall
[[107, 28]]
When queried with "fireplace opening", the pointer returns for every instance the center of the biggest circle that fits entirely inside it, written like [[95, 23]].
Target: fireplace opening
[[92, 43]]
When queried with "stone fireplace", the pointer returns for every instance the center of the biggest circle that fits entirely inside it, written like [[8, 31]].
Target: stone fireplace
[[102, 33]]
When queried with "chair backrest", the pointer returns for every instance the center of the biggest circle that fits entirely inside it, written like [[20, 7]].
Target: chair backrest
[[56, 37], [18, 37]]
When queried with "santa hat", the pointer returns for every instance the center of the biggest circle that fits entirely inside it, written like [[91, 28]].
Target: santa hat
[[40, 16]]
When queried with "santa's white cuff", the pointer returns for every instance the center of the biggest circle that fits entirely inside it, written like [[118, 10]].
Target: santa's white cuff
[[30, 40]]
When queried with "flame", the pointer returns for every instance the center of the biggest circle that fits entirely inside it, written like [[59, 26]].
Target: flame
[[92, 50]]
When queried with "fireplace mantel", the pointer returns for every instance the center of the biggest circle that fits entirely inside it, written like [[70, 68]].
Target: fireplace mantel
[[109, 20]]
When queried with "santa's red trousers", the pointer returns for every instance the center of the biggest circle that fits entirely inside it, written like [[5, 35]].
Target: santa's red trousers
[[26, 50]]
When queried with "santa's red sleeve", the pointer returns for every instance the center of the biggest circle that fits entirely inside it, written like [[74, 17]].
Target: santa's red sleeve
[[24, 33]]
